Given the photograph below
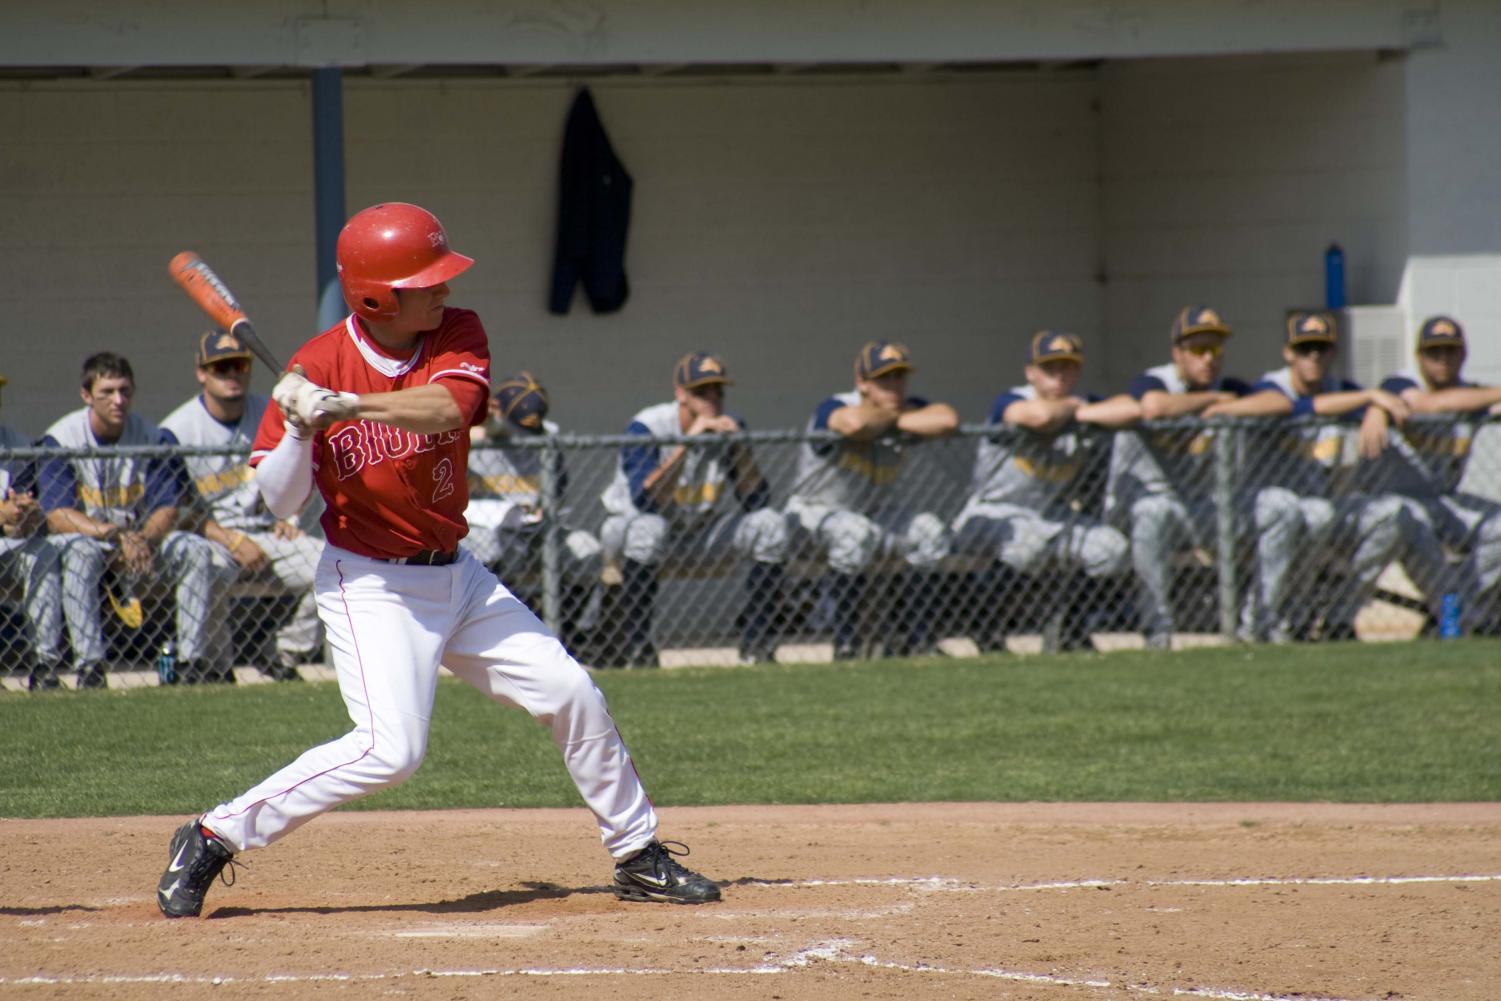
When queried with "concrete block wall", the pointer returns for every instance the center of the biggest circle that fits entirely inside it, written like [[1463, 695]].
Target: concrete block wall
[[1225, 180], [781, 224]]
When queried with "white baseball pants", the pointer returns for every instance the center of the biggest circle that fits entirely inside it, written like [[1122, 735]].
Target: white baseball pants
[[389, 626]]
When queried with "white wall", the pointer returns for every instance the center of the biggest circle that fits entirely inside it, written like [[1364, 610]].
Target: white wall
[[1453, 148], [781, 224], [100, 185], [1226, 179]]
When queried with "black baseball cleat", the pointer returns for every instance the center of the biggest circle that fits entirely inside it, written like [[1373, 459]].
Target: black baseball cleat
[[196, 858], [653, 874]]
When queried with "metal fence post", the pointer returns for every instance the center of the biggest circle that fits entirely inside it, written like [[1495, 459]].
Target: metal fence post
[[552, 533], [1226, 438]]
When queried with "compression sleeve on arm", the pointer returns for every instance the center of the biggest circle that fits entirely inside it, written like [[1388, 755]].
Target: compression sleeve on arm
[[284, 475]]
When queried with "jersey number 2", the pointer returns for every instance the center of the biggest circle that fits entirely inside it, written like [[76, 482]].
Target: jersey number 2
[[443, 478]]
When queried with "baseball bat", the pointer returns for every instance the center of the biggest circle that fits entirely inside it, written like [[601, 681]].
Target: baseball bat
[[205, 288]]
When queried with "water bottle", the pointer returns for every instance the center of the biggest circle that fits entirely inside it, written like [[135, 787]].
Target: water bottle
[[1448, 616], [166, 664], [1334, 277]]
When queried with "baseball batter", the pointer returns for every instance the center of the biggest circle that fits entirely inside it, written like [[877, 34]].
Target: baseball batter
[[375, 413], [246, 539]]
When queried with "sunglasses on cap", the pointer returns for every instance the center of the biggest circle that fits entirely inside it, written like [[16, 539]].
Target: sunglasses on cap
[[1204, 350], [1313, 348], [229, 365]]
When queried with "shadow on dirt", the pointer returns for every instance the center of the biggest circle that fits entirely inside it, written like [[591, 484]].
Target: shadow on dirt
[[474, 903]]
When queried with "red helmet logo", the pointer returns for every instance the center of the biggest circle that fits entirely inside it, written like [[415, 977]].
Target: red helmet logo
[[390, 246]]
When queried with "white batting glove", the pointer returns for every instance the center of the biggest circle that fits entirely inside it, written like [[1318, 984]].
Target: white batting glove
[[328, 407], [308, 405]]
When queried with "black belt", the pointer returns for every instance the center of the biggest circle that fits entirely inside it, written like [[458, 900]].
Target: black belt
[[426, 558]]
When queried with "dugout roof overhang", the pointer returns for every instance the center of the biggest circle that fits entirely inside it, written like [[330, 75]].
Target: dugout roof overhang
[[176, 39]]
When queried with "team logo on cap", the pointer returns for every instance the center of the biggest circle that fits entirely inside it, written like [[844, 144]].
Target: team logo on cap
[[1313, 324], [1060, 343], [710, 365], [1442, 328], [226, 341], [1208, 316], [892, 353]]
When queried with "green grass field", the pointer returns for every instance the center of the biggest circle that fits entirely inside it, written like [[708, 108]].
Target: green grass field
[[1340, 722]]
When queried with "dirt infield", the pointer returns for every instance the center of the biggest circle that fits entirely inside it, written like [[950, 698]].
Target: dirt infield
[[988, 901]]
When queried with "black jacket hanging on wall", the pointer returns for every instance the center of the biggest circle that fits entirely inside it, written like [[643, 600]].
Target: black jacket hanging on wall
[[594, 210]]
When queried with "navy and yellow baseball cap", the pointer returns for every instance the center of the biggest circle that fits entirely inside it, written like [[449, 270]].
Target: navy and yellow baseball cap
[[1055, 345], [880, 357], [522, 401], [1440, 332], [221, 345], [1197, 320], [699, 369], [1306, 327]]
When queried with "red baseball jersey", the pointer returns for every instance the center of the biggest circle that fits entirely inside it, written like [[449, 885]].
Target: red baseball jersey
[[391, 492]]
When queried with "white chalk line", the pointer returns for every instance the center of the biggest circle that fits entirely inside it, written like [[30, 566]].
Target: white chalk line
[[948, 885], [832, 951]]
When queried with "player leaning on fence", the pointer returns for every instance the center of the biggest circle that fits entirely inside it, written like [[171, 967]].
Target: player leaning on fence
[[665, 502], [847, 497], [1425, 462], [1307, 506], [1023, 510], [1162, 478], [248, 541]]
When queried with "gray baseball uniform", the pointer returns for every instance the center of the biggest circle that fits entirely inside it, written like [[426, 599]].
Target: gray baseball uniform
[[1426, 463], [1162, 481], [224, 490], [693, 524], [124, 490], [1019, 506], [846, 499], [35, 560], [1302, 510]]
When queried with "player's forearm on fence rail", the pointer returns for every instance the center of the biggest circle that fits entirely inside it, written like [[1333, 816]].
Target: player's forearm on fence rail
[[1159, 405], [1116, 412], [285, 476], [423, 409], [1041, 415], [1267, 403], [1333, 404], [1454, 399], [862, 422], [932, 421]]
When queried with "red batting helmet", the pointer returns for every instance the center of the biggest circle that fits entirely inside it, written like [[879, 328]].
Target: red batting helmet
[[390, 246]]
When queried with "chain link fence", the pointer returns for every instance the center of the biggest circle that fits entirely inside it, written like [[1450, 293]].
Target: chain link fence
[[801, 547]]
